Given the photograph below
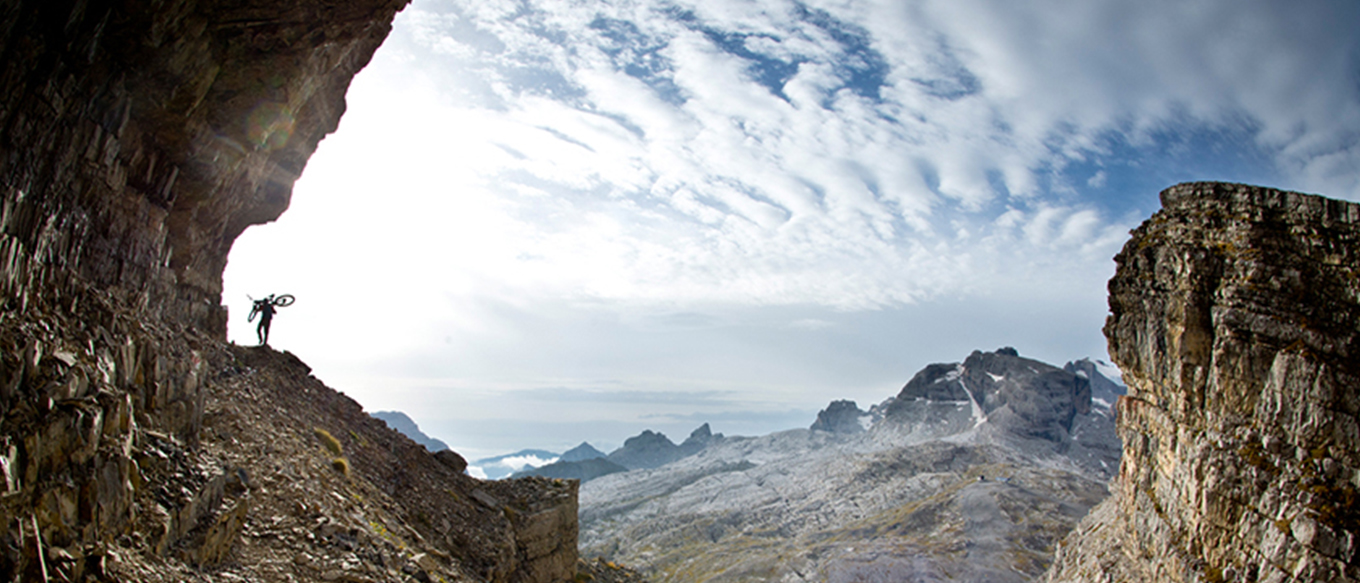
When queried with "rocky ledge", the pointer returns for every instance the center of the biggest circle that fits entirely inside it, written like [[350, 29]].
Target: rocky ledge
[[1236, 321], [269, 475]]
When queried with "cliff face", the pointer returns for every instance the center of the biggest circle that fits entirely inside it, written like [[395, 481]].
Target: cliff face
[[137, 141], [1236, 321]]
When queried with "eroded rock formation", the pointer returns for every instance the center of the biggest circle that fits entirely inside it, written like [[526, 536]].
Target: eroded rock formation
[[1236, 321], [137, 140]]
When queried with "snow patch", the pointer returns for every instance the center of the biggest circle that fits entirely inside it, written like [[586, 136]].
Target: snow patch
[[979, 417], [866, 421], [1110, 371], [1082, 374], [996, 378]]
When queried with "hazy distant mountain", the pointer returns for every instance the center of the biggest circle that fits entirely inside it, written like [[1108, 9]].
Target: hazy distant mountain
[[1019, 395], [400, 422], [582, 462], [843, 417], [583, 470], [650, 449], [582, 452], [1107, 385], [502, 466], [972, 472], [699, 439]]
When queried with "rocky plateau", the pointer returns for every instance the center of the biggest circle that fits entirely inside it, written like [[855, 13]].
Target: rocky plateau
[[973, 472]]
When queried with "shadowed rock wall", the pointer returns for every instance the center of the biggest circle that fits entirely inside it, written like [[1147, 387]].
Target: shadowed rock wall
[[1236, 321], [138, 139]]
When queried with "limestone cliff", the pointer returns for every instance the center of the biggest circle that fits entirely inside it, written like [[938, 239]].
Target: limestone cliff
[[137, 140], [1235, 316]]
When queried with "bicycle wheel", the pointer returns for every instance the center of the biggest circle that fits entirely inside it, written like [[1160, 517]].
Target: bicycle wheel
[[284, 300]]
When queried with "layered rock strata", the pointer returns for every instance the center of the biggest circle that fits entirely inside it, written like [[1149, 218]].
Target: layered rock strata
[[1236, 321], [137, 141]]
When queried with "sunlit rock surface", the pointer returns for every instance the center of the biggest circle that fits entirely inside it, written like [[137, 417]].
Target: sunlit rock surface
[[1236, 321]]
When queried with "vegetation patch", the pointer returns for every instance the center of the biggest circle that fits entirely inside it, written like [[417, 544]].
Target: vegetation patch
[[329, 441], [341, 465]]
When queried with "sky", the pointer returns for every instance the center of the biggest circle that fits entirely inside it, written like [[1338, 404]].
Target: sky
[[543, 222]]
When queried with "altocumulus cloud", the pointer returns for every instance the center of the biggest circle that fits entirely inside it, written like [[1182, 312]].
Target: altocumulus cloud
[[761, 203], [862, 154]]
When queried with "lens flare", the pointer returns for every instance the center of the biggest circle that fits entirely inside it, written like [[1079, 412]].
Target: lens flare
[[270, 125]]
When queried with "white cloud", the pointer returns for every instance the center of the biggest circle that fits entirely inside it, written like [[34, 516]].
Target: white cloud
[[521, 462], [504, 163], [979, 100]]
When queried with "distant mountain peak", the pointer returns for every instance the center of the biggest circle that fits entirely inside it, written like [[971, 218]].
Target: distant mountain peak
[[582, 452], [648, 438], [842, 416], [1005, 395], [1106, 381], [651, 449], [699, 439], [583, 470], [407, 426]]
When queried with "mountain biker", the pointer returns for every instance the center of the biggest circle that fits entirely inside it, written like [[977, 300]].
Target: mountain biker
[[265, 308]]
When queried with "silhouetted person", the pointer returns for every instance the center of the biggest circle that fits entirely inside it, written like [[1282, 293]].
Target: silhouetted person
[[265, 308]]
